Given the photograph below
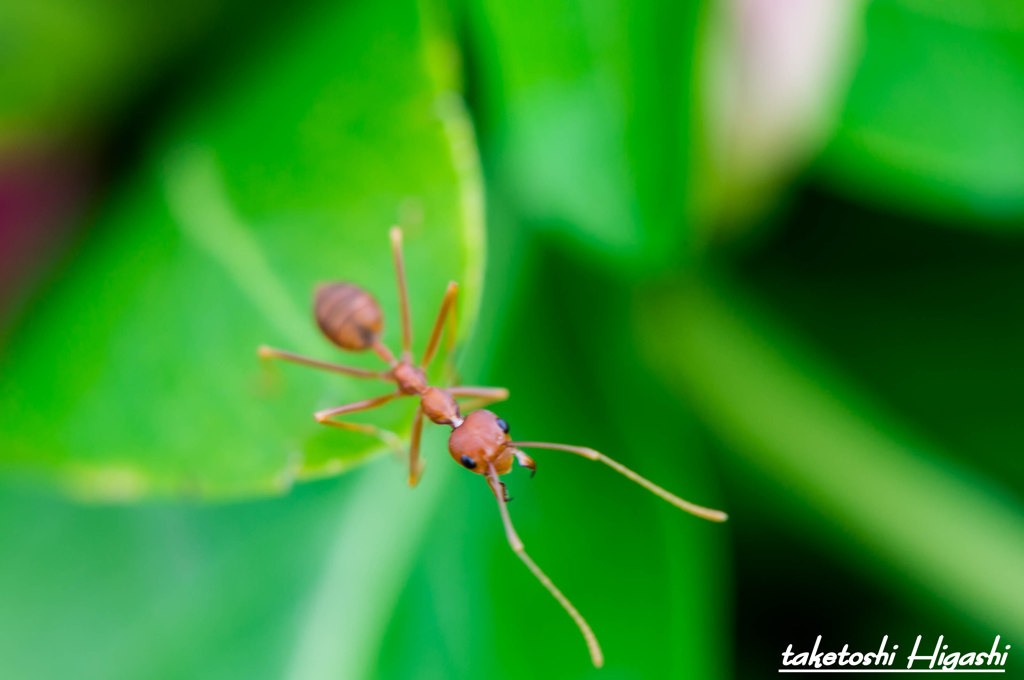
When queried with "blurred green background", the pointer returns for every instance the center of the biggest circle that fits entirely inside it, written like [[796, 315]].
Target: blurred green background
[[767, 254]]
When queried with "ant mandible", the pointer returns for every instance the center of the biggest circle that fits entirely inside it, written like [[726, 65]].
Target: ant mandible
[[351, 318]]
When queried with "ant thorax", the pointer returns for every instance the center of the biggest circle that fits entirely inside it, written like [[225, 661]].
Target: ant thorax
[[440, 407], [410, 379]]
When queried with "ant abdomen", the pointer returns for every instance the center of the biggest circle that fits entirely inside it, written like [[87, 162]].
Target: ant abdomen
[[348, 315]]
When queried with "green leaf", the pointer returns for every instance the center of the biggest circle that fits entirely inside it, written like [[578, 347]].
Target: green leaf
[[879, 493], [933, 120], [298, 587], [588, 113], [67, 64], [136, 375], [633, 129]]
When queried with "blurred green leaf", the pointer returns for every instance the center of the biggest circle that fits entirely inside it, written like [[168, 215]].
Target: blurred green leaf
[[634, 128], [930, 321], [299, 587], [69, 63], [933, 121], [137, 375], [895, 501], [587, 110]]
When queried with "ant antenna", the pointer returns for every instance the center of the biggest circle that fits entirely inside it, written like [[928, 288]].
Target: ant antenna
[[591, 454], [596, 656]]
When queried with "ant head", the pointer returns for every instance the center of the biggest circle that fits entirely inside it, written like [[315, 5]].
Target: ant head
[[481, 440]]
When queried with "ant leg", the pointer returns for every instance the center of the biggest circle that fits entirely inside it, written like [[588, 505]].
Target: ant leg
[[449, 339], [517, 547], [699, 511], [482, 395], [403, 293], [390, 438], [450, 372], [446, 313], [415, 466], [265, 352]]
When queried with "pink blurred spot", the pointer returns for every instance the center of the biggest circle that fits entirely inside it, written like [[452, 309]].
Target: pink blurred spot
[[40, 193]]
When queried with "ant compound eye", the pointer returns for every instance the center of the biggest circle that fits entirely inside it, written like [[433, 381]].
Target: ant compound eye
[[468, 462], [502, 424]]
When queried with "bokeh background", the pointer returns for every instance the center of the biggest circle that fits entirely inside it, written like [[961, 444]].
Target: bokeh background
[[767, 254]]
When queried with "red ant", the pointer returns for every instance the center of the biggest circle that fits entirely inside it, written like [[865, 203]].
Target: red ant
[[351, 318]]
